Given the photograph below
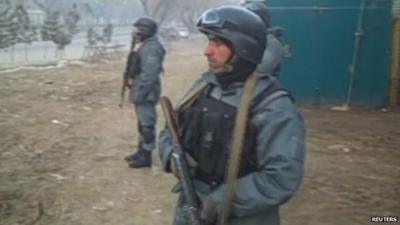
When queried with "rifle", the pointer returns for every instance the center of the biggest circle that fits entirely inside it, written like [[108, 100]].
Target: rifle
[[125, 84], [191, 207], [125, 78]]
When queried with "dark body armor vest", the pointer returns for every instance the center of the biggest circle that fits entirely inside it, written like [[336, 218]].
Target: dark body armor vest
[[206, 132]]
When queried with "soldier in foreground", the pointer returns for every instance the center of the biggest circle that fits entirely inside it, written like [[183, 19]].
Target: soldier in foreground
[[142, 75], [241, 135]]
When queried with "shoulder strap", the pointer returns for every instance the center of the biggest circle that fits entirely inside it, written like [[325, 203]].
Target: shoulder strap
[[269, 93], [192, 96], [239, 133]]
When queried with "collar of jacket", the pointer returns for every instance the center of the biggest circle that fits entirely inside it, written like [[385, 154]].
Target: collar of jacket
[[152, 38], [232, 94], [211, 78]]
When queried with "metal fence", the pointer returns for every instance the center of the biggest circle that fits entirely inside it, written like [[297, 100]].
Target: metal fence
[[340, 49]]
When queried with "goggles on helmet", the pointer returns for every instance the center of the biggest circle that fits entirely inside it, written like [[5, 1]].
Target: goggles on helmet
[[212, 19], [253, 6]]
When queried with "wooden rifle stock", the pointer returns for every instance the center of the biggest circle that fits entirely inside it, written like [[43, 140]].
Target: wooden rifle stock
[[191, 207]]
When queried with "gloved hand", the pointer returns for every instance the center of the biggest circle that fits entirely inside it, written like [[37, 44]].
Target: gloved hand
[[208, 212], [191, 163]]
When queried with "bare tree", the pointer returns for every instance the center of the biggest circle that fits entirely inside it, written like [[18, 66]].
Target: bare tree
[[158, 9], [181, 11], [189, 11], [184, 11]]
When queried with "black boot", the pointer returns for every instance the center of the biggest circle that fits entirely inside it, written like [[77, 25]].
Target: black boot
[[133, 156], [143, 160]]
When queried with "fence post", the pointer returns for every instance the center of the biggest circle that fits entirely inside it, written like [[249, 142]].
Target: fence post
[[394, 76]]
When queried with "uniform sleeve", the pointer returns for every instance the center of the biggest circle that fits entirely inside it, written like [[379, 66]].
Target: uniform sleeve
[[280, 155], [273, 55], [151, 66]]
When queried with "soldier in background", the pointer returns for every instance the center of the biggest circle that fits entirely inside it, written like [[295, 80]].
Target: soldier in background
[[143, 70]]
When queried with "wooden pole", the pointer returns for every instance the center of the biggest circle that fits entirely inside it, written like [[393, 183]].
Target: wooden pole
[[394, 77]]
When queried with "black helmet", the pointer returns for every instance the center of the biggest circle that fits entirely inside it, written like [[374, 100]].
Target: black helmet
[[243, 29], [147, 26], [261, 10]]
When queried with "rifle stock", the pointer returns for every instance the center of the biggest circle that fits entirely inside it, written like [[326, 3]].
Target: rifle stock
[[191, 207]]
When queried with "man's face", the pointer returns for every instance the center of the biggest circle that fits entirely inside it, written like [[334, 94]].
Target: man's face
[[136, 32], [217, 52]]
